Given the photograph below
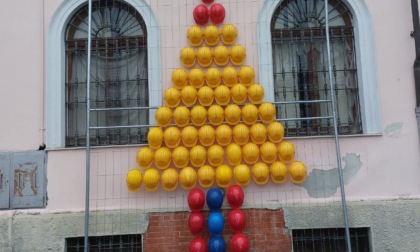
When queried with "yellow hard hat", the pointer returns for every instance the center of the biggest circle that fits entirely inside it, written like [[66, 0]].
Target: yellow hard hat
[[256, 93], [213, 77], [241, 134], [188, 57], [286, 151], [278, 172], [242, 175], [163, 116], [258, 133], [250, 153], [216, 114], [228, 34], [196, 77], [189, 136], [133, 179], [163, 158], [169, 179], [246, 75], [221, 55], [222, 95], [180, 157], [172, 137], [230, 76], [204, 56], [211, 35], [234, 154], [205, 96], [179, 78], [232, 114], [172, 97], [181, 116], [215, 155], [155, 137], [189, 95], [223, 176], [275, 132], [267, 112], [195, 35], [297, 171], [151, 179], [260, 173], [239, 93], [198, 155], [268, 152], [199, 115], [206, 176], [206, 135], [145, 157], [237, 55], [223, 135], [249, 114], [188, 178]]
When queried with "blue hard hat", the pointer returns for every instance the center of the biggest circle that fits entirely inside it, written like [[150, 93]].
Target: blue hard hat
[[215, 223], [214, 198], [217, 244]]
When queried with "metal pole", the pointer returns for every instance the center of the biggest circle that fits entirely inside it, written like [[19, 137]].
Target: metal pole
[[337, 143], [88, 128]]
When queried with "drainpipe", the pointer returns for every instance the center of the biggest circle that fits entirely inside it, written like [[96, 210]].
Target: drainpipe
[[416, 36]]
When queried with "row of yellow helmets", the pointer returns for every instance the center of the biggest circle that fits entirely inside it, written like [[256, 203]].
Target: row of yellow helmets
[[224, 175], [221, 55], [211, 35]]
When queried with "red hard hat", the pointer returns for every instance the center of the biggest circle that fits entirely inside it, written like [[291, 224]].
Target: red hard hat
[[235, 196], [237, 221], [201, 14], [196, 200], [196, 223], [217, 13], [208, 1], [198, 244], [239, 243]]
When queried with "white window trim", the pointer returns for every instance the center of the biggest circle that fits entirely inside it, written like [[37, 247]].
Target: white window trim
[[55, 91], [366, 66]]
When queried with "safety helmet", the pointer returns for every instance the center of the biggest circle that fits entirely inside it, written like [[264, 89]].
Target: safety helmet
[[188, 56], [204, 56], [256, 93], [229, 34], [189, 95], [215, 155], [221, 55], [163, 158], [196, 77], [260, 173], [223, 176], [145, 157], [237, 55], [205, 96], [217, 13], [163, 116], [198, 155], [241, 134], [169, 179], [230, 76], [172, 97], [181, 116], [222, 95], [239, 93], [180, 156], [216, 114], [246, 75], [268, 152], [234, 154], [206, 176], [258, 133], [267, 112], [189, 136], [206, 135], [172, 137], [232, 114], [201, 14], [179, 78], [275, 131], [286, 151], [278, 172], [249, 114], [223, 135], [242, 175], [155, 137], [198, 115], [188, 178], [250, 153], [151, 179], [297, 171], [213, 77], [211, 35], [195, 35], [133, 180]]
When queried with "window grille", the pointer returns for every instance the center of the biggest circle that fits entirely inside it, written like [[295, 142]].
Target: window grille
[[300, 66], [118, 74], [117, 243]]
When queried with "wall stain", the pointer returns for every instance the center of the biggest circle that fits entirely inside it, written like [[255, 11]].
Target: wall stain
[[25, 173], [393, 129]]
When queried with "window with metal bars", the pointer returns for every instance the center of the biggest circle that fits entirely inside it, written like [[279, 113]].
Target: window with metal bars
[[300, 68], [330, 240], [118, 75], [117, 243]]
